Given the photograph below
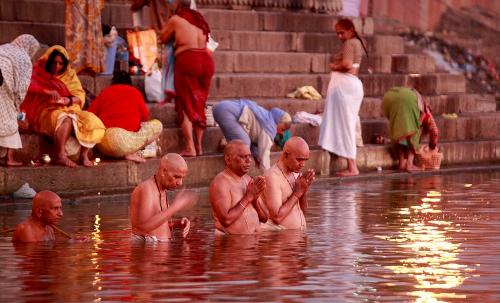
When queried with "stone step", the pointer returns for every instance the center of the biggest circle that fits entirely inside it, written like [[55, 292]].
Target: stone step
[[109, 175], [119, 14], [370, 108], [483, 126], [291, 62], [301, 42], [276, 85], [249, 85], [53, 33]]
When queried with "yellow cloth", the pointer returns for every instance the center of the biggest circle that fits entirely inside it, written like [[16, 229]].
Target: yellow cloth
[[69, 77], [305, 92], [118, 142], [89, 129]]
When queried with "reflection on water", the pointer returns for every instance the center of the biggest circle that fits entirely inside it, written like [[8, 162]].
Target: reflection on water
[[426, 239]]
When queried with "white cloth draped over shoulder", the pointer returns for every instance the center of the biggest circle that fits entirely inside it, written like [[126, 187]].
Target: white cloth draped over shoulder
[[338, 128]]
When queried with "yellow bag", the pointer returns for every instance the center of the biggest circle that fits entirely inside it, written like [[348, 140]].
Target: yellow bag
[[143, 46]]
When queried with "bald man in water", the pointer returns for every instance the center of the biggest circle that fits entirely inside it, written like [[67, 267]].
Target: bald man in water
[[285, 194], [150, 213], [45, 212], [235, 196]]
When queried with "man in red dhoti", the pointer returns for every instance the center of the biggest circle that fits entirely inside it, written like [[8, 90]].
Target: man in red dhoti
[[193, 71]]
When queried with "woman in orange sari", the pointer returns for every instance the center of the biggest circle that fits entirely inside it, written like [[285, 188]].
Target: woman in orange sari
[[53, 107]]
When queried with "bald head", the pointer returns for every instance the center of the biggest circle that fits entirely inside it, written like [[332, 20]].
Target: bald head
[[173, 161], [44, 199], [296, 144], [233, 146], [46, 207], [237, 157], [295, 154]]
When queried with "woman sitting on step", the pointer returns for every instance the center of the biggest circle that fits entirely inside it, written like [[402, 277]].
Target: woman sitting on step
[[254, 125], [53, 107], [123, 111], [409, 117]]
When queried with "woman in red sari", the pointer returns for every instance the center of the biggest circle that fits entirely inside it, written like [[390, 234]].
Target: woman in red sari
[[53, 107]]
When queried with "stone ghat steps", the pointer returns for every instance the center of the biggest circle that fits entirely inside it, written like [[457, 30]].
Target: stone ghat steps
[[479, 126], [371, 107], [119, 14], [228, 85], [278, 85], [290, 62], [53, 33], [111, 175]]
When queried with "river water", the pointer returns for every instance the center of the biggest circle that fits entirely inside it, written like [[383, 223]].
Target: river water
[[411, 239]]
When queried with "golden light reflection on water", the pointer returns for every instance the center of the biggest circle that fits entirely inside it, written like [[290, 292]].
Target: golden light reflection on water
[[435, 265], [96, 238]]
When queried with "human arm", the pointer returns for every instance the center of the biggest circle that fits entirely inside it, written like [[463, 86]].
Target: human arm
[[259, 206], [347, 58], [143, 214], [279, 210], [433, 132], [168, 30], [309, 177], [220, 198]]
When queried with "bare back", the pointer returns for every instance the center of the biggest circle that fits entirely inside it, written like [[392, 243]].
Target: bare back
[[278, 190], [187, 36], [146, 202], [224, 193]]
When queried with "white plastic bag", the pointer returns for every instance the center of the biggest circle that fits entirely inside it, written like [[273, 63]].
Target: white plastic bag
[[152, 84]]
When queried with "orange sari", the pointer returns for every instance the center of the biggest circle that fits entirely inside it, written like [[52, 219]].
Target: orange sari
[[45, 117]]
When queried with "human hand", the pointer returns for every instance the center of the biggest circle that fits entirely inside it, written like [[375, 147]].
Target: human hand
[[303, 182], [23, 125], [63, 101], [186, 225], [53, 94], [183, 199], [255, 188]]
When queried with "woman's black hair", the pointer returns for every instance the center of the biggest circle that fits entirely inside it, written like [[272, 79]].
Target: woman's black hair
[[106, 29], [348, 25], [51, 59], [121, 77]]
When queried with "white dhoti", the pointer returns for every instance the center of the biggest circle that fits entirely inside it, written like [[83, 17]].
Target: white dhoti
[[338, 128]]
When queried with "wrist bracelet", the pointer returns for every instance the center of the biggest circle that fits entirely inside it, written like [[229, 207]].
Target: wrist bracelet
[[242, 205]]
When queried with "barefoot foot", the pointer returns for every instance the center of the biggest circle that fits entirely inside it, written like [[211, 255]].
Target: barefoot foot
[[86, 162], [65, 161], [13, 163], [413, 168], [347, 173], [188, 153], [135, 158]]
